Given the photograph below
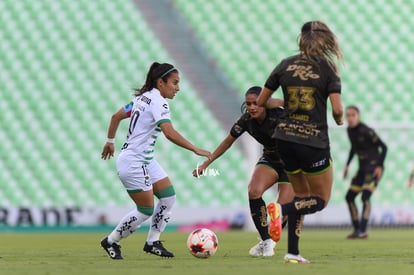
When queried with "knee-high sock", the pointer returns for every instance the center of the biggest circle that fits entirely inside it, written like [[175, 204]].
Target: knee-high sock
[[303, 206], [259, 216], [366, 210], [294, 229], [129, 223], [353, 210], [284, 221], [160, 218]]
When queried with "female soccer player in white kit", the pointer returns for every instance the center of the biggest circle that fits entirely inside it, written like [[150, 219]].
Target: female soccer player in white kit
[[140, 173]]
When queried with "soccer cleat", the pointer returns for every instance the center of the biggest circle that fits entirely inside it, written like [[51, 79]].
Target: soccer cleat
[[275, 227], [263, 248], [157, 249], [295, 259], [113, 250], [362, 235], [268, 248], [257, 250], [353, 235]]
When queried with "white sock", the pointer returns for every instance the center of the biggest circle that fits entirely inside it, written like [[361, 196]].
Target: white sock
[[160, 218], [129, 223]]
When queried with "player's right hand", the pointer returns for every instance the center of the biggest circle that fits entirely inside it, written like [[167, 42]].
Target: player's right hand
[[203, 153], [108, 151]]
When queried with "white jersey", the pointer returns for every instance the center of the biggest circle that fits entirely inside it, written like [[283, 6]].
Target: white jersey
[[147, 112]]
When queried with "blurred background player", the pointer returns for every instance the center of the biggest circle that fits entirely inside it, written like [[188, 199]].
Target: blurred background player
[[371, 151], [307, 79], [260, 123], [140, 173]]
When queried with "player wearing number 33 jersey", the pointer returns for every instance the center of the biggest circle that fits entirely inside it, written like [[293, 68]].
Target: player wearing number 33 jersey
[[308, 80], [306, 89]]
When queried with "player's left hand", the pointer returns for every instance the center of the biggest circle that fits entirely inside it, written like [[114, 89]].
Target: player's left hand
[[199, 170], [378, 172]]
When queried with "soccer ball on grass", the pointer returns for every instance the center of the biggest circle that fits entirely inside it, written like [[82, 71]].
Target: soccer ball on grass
[[202, 243]]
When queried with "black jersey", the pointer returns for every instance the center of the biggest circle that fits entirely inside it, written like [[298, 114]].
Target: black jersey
[[261, 131], [306, 88], [371, 150]]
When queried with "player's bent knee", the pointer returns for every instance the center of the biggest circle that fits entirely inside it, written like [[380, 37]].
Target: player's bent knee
[[309, 205], [254, 192], [168, 201], [166, 192], [350, 196], [146, 210], [366, 195]]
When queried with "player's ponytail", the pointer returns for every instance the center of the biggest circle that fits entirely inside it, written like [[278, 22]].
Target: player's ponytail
[[155, 72], [317, 40]]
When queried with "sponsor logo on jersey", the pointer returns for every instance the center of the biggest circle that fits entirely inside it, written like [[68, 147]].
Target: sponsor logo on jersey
[[237, 129], [300, 117], [146, 99], [307, 129], [165, 105], [303, 72]]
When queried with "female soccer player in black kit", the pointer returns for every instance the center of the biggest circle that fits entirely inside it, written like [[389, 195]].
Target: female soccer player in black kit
[[307, 79], [260, 123], [371, 153]]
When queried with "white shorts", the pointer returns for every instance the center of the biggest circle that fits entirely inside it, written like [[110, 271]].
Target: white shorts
[[137, 176]]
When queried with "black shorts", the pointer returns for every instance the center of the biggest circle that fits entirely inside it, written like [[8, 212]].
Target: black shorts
[[303, 158], [364, 178], [283, 178]]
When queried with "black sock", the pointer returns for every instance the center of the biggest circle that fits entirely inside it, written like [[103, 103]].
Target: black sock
[[303, 206], [353, 210], [259, 216], [284, 221], [366, 210], [294, 229]]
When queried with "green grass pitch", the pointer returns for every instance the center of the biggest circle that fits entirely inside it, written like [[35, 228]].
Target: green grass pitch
[[385, 252]]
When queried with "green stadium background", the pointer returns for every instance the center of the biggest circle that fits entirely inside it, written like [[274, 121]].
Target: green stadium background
[[67, 65]]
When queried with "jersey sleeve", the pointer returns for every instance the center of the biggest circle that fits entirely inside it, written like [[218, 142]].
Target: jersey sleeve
[[161, 112], [128, 108], [272, 82], [239, 127], [334, 81]]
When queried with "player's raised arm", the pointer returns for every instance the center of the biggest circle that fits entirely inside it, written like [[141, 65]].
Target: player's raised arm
[[220, 150], [108, 149], [176, 138]]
